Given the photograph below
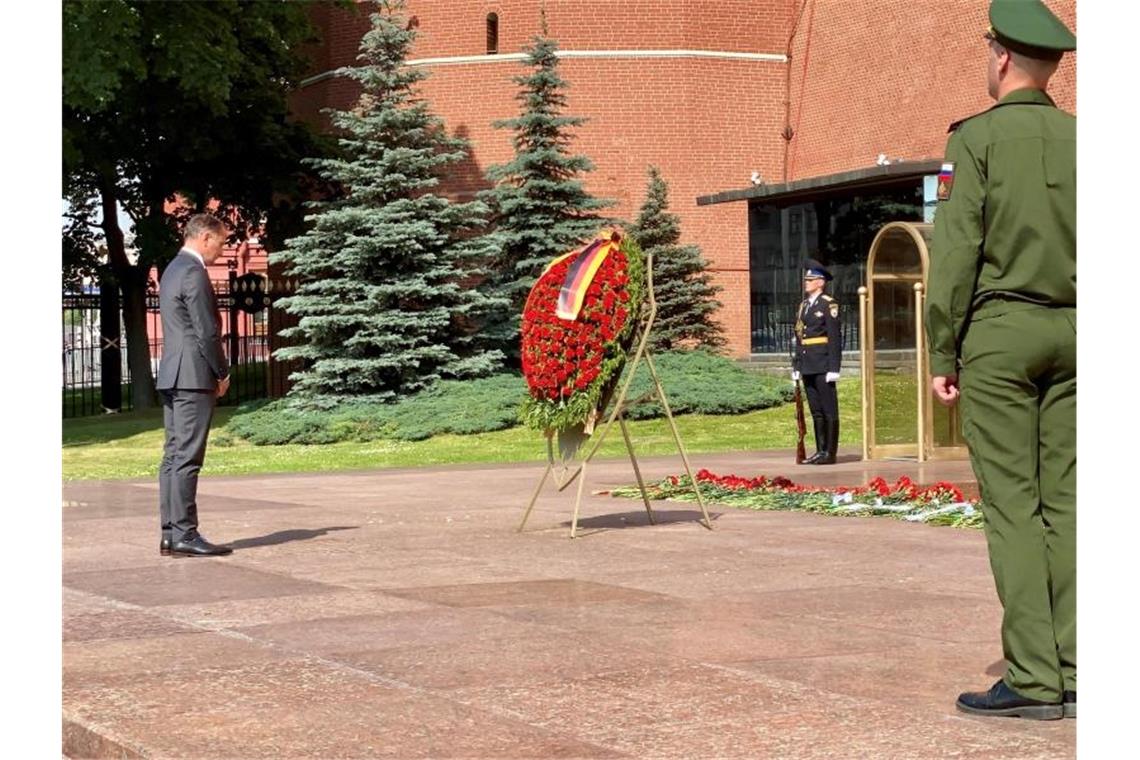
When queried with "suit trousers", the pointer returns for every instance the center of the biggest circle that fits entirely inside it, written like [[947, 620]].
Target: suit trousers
[[186, 415], [1019, 415]]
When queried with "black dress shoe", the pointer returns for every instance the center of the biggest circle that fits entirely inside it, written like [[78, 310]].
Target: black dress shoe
[[198, 547], [1069, 704], [1003, 701], [164, 546], [813, 458]]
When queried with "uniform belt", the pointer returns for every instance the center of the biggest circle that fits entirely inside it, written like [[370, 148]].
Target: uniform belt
[[814, 341], [997, 306]]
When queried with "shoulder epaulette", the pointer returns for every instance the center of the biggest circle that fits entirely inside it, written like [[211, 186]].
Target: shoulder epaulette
[[960, 122], [826, 297]]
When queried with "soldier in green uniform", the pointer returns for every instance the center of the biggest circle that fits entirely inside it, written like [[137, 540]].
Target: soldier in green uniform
[[1001, 325], [817, 354]]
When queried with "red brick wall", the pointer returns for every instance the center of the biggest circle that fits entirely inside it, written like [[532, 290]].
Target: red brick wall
[[706, 123], [889, 76], [457, 27], [866, 77]]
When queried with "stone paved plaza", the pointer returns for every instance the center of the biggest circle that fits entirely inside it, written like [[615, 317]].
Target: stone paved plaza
[[399, 614]]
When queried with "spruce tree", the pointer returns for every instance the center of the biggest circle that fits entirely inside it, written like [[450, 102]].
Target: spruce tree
[[686, 297], [384, 303], [540, 207]]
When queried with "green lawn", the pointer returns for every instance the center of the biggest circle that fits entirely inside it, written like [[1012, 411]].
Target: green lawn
[[896, 407], [247, 381], [129, 445]]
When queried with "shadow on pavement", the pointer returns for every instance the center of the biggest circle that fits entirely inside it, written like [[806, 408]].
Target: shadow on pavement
[[997, 669], [639, 519], [285, 536]]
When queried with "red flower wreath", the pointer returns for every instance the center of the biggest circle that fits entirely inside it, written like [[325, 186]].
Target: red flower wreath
[[569, 363]]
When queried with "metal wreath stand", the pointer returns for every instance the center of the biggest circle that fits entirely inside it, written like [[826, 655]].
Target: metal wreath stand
[[562, 481]]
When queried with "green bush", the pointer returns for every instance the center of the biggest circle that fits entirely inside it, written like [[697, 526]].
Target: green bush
[[695, 381], [451, 406], [699, 382]]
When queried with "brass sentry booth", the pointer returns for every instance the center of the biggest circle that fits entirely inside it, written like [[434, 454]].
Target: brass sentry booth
[[900, 418]]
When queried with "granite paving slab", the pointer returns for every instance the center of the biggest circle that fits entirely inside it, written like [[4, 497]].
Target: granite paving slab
[[398, 613], [181, 580]]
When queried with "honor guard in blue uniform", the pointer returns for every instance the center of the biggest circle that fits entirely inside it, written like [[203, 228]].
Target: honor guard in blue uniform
[[816, 359]]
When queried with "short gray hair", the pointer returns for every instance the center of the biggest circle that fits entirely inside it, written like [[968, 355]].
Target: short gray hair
[[202, 223], [1038, 69]]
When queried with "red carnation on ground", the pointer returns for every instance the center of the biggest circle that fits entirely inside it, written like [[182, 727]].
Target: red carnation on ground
[[904, 487]]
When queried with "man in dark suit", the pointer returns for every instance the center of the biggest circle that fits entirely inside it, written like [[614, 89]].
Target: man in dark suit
[[192, 375], [818, 352]]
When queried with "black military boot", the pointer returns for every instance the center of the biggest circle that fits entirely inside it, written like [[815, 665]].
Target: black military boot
[[831, 425], [820, 440]]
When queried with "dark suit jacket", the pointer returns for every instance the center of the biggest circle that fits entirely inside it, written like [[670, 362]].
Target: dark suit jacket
[[818, 348], [192, 356]]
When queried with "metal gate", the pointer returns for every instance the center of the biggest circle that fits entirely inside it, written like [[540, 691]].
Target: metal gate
[[96, 375]]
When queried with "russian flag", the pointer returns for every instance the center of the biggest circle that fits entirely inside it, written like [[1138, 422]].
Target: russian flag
[[945, 181]]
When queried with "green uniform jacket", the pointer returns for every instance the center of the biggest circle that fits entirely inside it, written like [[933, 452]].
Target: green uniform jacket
[[1005, 233]]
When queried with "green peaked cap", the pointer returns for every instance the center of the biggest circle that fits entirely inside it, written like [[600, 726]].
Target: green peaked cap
[[1030, 28]]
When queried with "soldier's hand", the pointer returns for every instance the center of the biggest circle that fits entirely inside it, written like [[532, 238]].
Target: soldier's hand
[[832, 377], [945, 389], [795, 376], [223, 386]]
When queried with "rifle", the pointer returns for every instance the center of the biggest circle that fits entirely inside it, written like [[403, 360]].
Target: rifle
[[801, 425]]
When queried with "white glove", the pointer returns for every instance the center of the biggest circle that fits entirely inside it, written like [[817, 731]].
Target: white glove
[[832, 377], [795, 376]]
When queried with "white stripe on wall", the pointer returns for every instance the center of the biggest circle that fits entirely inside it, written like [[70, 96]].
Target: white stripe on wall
[[456, 60]]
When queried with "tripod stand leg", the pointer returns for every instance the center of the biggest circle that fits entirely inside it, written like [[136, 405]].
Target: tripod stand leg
[[534, 496], [677, 438], [578, 502], [636, 469]]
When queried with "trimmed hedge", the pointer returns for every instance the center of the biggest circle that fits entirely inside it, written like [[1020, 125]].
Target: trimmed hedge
[[695, 381], [699, 382], [451, 406]]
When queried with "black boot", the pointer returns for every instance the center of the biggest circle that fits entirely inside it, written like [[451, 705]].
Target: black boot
[[832, 428], [820, 440]]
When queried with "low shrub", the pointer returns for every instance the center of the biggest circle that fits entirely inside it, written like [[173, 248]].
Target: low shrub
[[699, 382], [450, 406], [696, 382]]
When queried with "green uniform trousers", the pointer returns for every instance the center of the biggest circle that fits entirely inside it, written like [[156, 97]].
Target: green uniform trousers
[[1019, 413]]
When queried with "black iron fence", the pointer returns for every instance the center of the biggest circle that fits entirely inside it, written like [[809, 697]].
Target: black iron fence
[[97, 377], [772, 325]]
